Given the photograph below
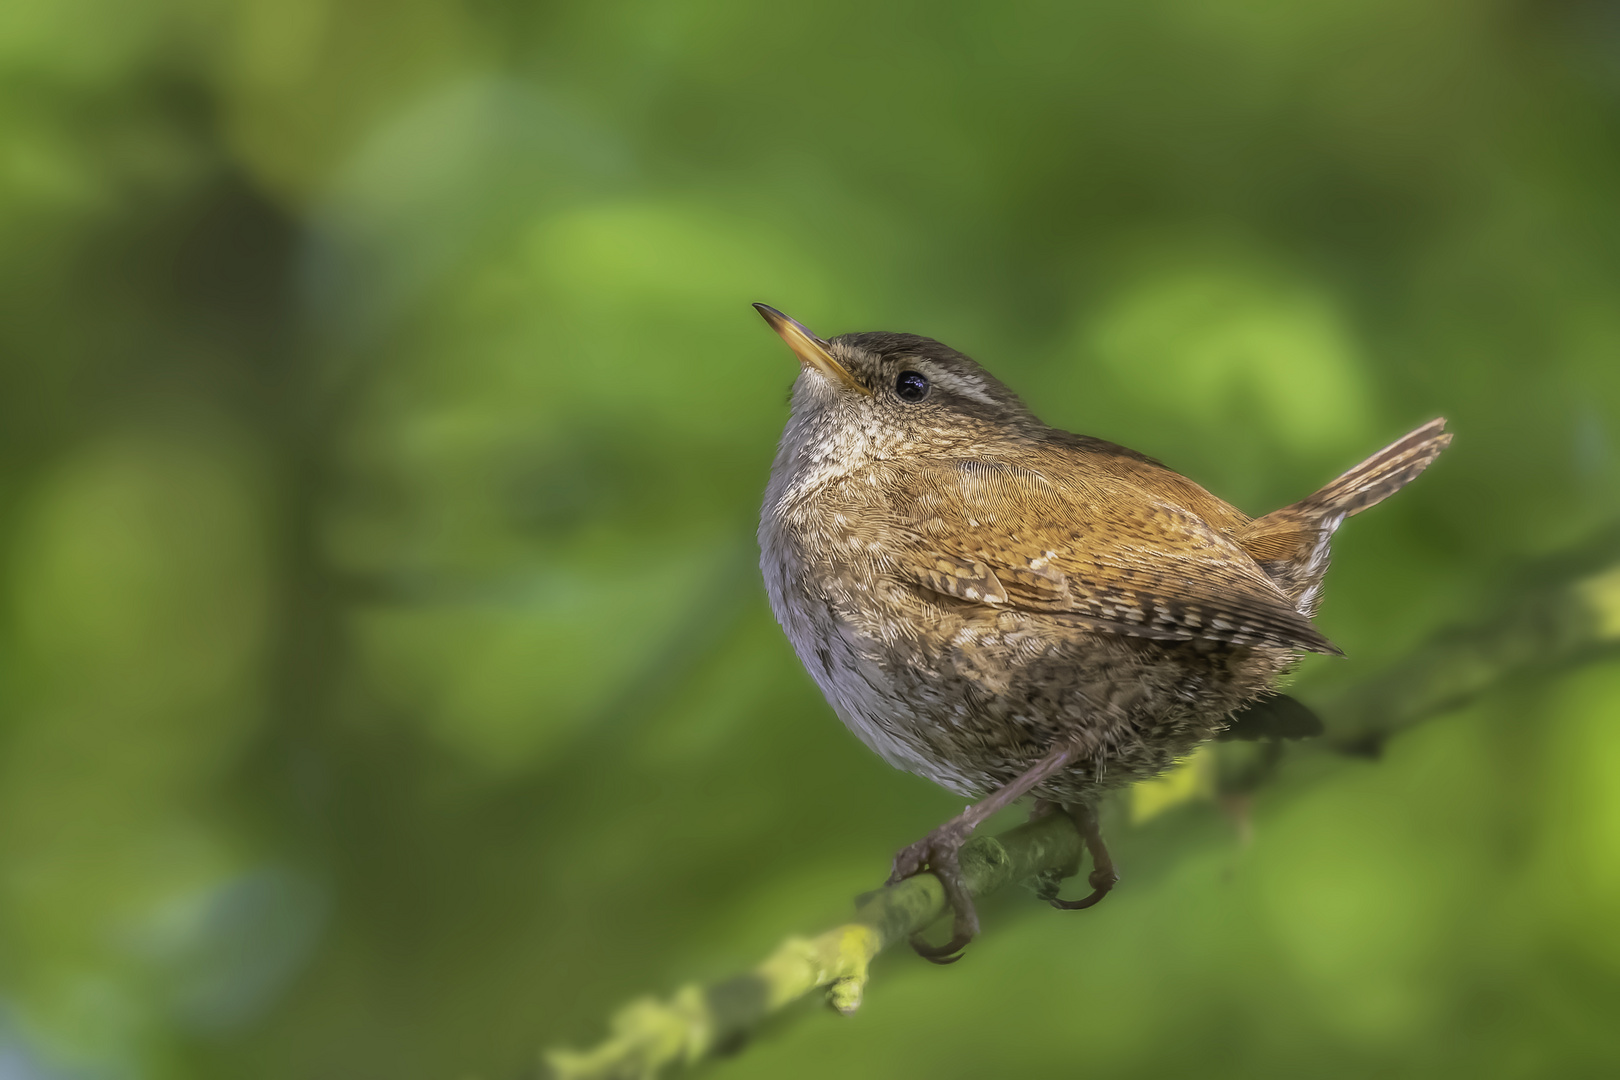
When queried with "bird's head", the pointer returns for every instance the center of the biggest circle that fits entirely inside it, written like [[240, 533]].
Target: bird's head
[[868, 396]]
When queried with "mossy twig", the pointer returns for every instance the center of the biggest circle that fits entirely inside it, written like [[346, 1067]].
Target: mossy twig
[[649, 1036]]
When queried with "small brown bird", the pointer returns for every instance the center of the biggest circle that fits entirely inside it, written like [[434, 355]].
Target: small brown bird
[[1010, 609]]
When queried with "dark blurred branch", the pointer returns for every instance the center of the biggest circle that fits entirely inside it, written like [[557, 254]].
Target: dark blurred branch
[[1565, 613]]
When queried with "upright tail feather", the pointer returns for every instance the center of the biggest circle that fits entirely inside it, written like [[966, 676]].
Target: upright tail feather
[[1291, 544], [1380, 476]]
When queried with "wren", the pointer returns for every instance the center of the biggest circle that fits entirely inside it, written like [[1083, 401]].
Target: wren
[[1009, 609]]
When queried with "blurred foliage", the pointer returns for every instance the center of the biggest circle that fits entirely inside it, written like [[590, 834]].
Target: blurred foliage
[[386, 689]]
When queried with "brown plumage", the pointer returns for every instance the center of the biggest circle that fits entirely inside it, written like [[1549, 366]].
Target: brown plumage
[[1006, 608]]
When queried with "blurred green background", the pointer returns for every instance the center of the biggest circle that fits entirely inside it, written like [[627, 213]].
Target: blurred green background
[[386, 685]]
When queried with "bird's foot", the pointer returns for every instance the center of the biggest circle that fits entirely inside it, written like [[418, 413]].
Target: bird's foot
[[1102, 881], [1103, 876], [940, 853]]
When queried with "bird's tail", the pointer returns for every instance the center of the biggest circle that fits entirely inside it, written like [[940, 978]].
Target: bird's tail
[[1291, 544], [1380, 476]]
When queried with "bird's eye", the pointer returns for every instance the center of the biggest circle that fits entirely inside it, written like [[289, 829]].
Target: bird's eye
[[911, 386]]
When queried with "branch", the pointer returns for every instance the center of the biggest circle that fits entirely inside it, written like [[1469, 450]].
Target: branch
[[698, 1021], [1566, 613]]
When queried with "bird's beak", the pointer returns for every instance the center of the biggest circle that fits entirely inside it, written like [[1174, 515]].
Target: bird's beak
[[811, 350]]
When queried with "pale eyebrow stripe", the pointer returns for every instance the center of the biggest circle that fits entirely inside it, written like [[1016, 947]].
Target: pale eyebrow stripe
[[956, 384]]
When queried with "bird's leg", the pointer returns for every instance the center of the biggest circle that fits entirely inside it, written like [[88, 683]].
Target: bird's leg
[[940, 850], [1103, 875]]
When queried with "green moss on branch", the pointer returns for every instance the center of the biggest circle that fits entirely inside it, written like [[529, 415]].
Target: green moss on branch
[[649, 1036]]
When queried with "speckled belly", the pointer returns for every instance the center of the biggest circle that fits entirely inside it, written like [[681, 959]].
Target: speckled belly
[[973, 715]]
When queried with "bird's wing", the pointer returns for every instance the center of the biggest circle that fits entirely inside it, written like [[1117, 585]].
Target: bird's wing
[[1087, 546]]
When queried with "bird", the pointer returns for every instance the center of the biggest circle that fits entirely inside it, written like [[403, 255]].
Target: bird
[[1009, 609]]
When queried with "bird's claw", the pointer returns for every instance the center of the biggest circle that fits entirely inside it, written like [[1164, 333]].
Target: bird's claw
[[1101, 880], [939, 853], [1103, 876], [948, 953], [937, 848]]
